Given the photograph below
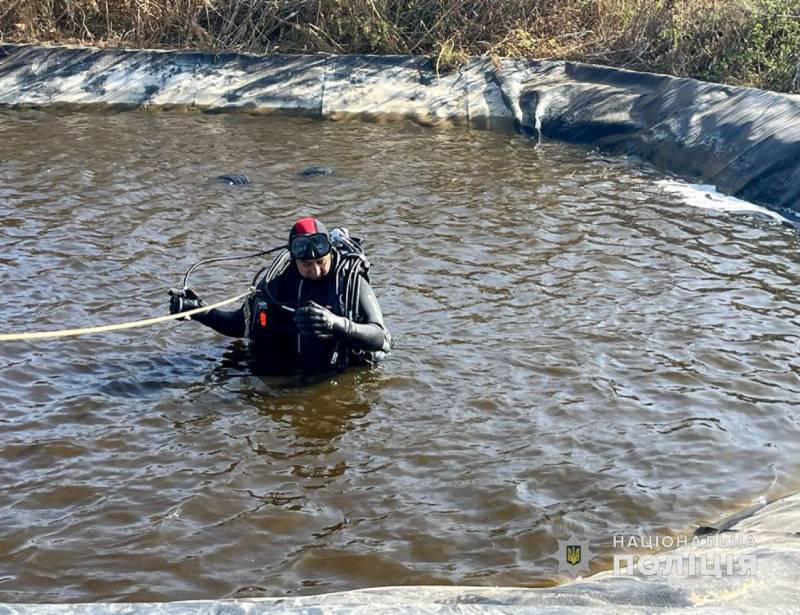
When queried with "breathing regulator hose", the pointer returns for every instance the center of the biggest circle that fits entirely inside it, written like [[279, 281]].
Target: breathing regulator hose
[[183, 296], [220, 259]]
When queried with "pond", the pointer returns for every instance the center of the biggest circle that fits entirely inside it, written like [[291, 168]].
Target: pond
[[578, 351]]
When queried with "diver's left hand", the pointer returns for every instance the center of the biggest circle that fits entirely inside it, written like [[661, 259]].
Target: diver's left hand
[[318, 321]]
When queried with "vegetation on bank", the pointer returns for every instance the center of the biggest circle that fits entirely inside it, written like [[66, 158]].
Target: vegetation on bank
[[745, 42]]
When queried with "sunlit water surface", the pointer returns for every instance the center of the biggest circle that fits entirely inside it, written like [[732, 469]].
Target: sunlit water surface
[[577, 352]]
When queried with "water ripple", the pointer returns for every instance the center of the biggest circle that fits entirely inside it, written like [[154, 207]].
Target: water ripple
[[577, 350]]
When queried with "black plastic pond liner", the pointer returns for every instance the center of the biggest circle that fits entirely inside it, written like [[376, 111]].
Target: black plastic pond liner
[[745, 142]]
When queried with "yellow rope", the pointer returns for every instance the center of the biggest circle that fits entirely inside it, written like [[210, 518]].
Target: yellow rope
[[9, 337]]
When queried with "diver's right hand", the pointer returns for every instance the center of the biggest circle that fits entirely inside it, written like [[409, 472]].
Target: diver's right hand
[[183, 300]]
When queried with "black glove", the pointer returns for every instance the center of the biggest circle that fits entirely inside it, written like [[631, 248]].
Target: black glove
[[183, 300], [317, 321]]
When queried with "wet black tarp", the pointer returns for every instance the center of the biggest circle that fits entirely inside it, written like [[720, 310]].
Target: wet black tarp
[[743, 141]]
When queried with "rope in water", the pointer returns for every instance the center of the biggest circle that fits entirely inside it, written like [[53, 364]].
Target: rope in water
[[40, 335]]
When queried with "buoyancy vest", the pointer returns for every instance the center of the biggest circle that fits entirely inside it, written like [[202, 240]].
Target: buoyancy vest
[[269, 315]]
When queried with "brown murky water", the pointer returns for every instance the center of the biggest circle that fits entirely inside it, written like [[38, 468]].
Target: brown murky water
[[577, 352]]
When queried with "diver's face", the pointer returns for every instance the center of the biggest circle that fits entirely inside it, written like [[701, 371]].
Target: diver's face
[[314, 269]]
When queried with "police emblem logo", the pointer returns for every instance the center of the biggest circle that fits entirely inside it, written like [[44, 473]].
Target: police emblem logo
[[573, 555]]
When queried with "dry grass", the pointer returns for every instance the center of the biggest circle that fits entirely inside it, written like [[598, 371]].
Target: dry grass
[[749, 42]]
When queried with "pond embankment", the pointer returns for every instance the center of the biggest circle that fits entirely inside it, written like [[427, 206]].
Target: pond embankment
[[745, 142], [753, 43]]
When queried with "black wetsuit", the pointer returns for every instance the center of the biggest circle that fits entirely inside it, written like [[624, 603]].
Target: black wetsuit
[[276, 345]]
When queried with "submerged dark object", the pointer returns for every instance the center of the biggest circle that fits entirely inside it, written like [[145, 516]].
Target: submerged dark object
[[315, 170], [232, 180]]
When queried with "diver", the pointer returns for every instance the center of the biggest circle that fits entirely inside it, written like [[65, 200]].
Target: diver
[[313, 309]]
